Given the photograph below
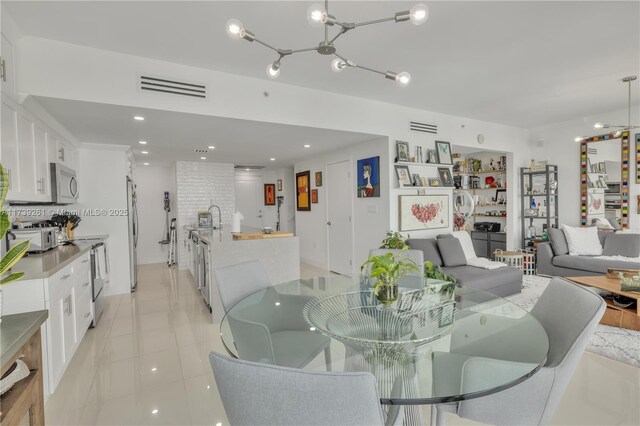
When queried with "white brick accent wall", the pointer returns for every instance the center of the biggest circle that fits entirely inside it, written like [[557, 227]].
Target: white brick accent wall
[[198, 185]]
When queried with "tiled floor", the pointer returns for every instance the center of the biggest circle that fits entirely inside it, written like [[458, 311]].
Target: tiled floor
[[146, 363]]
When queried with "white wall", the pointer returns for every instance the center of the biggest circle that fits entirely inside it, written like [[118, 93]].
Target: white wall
[[151, 183], [198, 185], [555, 143], [62, 70], [103, 186], [370, 216]]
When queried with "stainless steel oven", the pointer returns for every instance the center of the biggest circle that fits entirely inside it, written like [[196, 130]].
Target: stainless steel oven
[[64, 184]]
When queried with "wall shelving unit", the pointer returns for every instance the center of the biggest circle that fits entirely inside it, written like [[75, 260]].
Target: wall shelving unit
[[529, 180]]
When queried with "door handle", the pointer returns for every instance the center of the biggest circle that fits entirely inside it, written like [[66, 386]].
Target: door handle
[[3, 70], [87, 314], [329, 223], [64, 277], [85, 284]]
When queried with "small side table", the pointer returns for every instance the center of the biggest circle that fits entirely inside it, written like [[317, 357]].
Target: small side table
[[20, 336]]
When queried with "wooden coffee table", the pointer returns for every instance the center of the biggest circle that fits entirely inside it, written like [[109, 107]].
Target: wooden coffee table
[[614, 315]]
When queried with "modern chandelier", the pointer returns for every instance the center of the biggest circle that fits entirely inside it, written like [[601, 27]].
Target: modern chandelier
[[619, 128], [319, 16]]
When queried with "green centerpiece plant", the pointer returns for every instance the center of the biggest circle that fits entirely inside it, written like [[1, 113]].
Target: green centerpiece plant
[[394, 240], [17, 251], [386, 270]]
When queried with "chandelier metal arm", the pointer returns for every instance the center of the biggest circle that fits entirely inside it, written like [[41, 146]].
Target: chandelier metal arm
[[342, 31], [307, 49], [376, 21], [388, 74]]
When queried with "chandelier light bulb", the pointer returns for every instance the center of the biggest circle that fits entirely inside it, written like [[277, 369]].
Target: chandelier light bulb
[[419, 14], [403, 79], [273, 70], [598, 125], [338, 65], [234, 29], [617, 133], [316, 15]]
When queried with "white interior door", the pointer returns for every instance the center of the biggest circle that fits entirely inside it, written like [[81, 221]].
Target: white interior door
[[340, 237], [248, 201]]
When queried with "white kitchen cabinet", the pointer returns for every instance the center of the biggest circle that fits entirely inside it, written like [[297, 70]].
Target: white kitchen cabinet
[[55, 337], [9, 155], [7, 77], [62, 151], [43, 182], [27, 155]]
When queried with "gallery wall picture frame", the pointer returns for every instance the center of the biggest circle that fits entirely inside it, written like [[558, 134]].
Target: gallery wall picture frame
[[402, 151], [432, 156], [368, 174], [279, 185], [423, 212], [404, 177], [444, 152], [314, 196], [303, 191], [318, 178], [445, 176], [269, 194], [637, 157], [417, 181]]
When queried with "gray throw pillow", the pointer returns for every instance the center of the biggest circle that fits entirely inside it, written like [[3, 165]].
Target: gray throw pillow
[[429, 249], [451, 252], [627, 245], [603, 235], [558, 241]]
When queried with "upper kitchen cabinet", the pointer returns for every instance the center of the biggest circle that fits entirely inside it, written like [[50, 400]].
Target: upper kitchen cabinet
[[61, 151], [9, 155], [7, 78]]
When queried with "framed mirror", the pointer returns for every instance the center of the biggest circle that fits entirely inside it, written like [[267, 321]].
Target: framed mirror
[[604, 179]]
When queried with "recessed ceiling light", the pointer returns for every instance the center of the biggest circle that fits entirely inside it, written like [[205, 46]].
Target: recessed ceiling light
[[138, 117], [211, 147], [155, 411], [142, 142], [146, 164], [145, 152], [307, 146], [154, 369], [203, 158], [272, 159], [248, 170]]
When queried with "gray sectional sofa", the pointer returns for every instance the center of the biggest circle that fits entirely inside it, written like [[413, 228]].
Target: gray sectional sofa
[[554, 258], [501, 282]]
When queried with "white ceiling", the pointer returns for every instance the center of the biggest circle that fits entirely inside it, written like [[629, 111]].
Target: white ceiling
[[174, 136], [523, 63]]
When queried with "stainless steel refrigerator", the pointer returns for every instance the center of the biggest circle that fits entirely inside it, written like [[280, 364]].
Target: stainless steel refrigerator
[[132, 211]]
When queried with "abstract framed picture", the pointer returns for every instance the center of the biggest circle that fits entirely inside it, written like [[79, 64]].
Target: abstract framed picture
[[420, 212], [318, 178], [314, 196], [269, 194], [279, 185], [368, 177], [444, 152], [402, 151], [303, 193]]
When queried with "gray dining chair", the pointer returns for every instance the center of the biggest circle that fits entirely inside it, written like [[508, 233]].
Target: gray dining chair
[[280, 336], [569, 314], [260, 394], [412, 279]]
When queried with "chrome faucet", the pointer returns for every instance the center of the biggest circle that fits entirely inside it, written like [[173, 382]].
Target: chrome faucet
[[219, 215]]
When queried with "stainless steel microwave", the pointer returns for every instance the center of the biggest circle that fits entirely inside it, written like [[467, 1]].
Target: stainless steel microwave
[[64, 184]]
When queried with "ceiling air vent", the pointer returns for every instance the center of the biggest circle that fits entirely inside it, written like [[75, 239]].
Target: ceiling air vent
[[239, 166], [416, 126], [174, 87], [201, 151]]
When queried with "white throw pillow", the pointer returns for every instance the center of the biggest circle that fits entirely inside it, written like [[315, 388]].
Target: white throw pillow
[[582, 241], [602, 223], [466, 243]]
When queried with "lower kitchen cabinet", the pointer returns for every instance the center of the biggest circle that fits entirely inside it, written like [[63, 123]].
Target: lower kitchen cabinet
[[67, 296]]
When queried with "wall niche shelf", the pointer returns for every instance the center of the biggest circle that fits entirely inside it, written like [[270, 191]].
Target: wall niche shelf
[[409, 163], [484, 172]]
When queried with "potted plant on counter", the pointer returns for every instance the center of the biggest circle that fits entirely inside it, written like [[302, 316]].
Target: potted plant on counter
[[394, 240], [386, 270], [17, 251]]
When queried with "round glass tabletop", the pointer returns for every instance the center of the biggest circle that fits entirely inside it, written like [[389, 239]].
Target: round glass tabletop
[[437, 343]]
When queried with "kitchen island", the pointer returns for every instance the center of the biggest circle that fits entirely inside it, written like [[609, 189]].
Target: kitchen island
[[279, 256]]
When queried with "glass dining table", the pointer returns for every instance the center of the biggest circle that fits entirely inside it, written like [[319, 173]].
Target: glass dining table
[[431, 346]]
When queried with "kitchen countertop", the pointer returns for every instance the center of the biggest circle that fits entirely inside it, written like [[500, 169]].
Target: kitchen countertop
[[91, 237], [44, 265], [215, 237], [16, 330]]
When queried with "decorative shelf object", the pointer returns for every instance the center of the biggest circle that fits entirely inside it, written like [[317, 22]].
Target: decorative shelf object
[[409, 163], [483, 172]]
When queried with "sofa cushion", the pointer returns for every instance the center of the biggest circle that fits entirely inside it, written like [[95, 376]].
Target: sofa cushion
[[451, 252], [582, 241], [486, 279], [558, 241], [621, 244], [429, 248], [592, 264]]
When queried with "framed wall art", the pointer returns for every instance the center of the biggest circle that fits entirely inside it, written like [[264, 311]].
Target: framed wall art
[[421, 212], [269, 194], [303, 196], [445, 176], [369, 177], [638, 158], [402, 151], [404, 177], [314, 196], [318, 178], [279, 184], [444, 152]]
